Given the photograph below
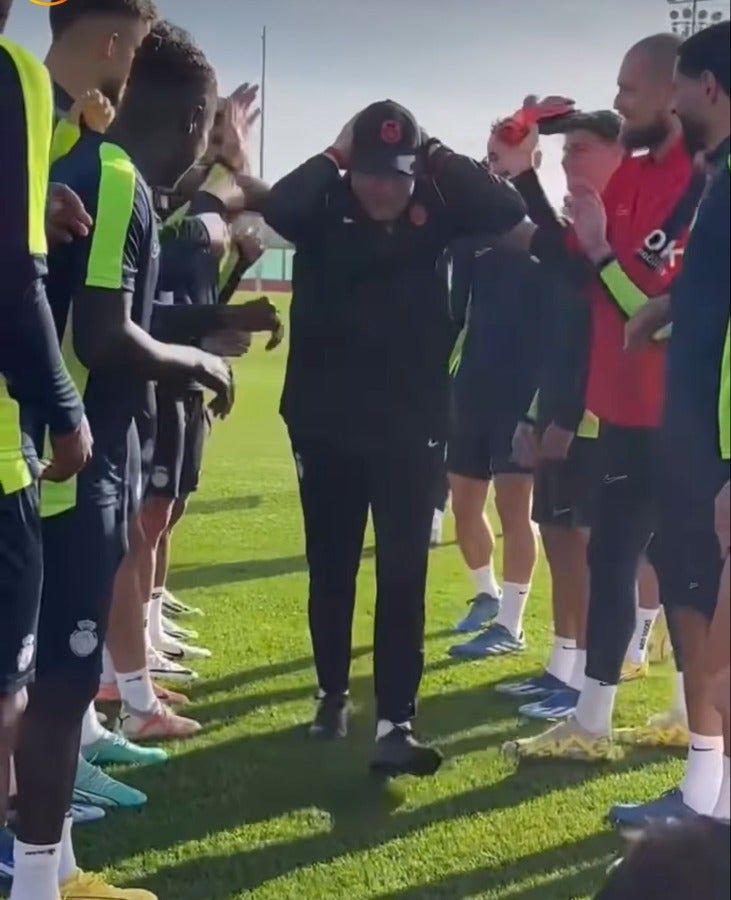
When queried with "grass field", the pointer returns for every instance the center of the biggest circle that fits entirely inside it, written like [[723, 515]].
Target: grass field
[[250, 808]]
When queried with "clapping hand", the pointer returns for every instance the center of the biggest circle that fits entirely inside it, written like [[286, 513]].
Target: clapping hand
[[239, 114]]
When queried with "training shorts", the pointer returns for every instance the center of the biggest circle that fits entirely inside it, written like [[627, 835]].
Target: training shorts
[[183, 424], [685, 549], [483, 454], [564, 493], [21, 575], [82, 550]]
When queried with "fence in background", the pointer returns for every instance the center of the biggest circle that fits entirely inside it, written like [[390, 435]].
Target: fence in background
[[273, 272]]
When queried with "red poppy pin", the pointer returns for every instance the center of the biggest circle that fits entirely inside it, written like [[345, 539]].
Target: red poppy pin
[[391, 131], [418, 215]]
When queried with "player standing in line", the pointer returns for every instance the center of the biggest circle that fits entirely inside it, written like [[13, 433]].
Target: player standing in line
[[564, 483], [109, 280], [693, 467], [31, 372], [497, 300]]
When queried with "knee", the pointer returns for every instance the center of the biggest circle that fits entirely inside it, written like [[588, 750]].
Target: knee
[[12, 708], [514, 509], [466, 508], [155, 518], [65, 699]]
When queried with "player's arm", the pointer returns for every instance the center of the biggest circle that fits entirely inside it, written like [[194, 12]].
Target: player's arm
[[476, 201], [34, 365], [104, 333], [463, 261], [295, 205], [565, 371]]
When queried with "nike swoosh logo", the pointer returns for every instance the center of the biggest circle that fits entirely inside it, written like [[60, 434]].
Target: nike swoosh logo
[[610, 479], [702, 749], [433, 444], [562, 512]]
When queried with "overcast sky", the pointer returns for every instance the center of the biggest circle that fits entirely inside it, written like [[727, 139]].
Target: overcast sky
[[458, 64]]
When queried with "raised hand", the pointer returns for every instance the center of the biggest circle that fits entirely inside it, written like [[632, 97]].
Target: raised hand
[[589, 216], [239, 114], [93, 110]]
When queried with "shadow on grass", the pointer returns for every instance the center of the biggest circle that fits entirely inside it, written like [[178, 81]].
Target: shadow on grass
[[248, 677], [269, 776], [216, 505], [241, 571], [596, 850], [230, 708]]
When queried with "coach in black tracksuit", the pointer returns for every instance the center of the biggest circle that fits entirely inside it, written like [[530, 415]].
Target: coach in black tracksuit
[[366, 390]]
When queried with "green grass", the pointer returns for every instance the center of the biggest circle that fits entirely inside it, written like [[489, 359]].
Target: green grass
[[250, 808]]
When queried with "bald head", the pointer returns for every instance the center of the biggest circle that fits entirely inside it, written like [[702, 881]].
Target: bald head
[[646, 94], [658, 52]]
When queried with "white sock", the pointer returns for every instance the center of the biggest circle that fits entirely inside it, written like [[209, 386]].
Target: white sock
[[485, 583], [723, 804], [679, 706], [644, 621], [384, 728], [36, 872], [701, 786], [137, 691], [109, 676], [91, 729], [67, 866], [561, 661], [512, 607], [596, 707], [578, 673], [155, 628]]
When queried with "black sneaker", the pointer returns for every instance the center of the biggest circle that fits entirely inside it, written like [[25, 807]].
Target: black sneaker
[[331, 718], [400, 753]]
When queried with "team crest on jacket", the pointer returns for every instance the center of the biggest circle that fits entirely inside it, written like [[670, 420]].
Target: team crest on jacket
[[26, 654], [84, 641], [418, 215]]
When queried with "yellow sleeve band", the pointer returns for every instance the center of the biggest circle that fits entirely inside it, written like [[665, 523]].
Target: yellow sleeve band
[[35, 83], [532, 412], [622, 289], [117, 185], [65, 137], [456, 357], [589, 426]]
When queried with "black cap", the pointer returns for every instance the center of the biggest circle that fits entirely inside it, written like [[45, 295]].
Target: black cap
[[386, 139], [604, 123]]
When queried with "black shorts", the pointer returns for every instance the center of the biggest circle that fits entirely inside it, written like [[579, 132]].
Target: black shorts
[[685, 548], [21, 575], [82, 550], [483, 455], [183, 424], [565, 493]]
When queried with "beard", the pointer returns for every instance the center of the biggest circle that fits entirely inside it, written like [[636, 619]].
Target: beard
[[644, 137], [112, 90], [694, 135]]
